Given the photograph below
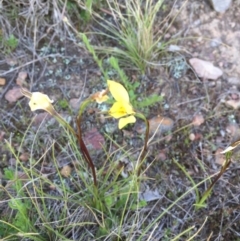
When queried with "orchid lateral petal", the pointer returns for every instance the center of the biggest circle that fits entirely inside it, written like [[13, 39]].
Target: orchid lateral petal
[[126, 120]]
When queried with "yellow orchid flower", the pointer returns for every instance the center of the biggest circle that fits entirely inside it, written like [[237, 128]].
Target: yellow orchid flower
[[121, 108], [39, 101]]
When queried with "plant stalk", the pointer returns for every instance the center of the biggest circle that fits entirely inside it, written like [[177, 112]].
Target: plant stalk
[[144, 151], [209, 189], [82, 145]]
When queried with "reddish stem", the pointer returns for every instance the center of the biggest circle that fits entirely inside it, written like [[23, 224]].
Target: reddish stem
[[85, 150]]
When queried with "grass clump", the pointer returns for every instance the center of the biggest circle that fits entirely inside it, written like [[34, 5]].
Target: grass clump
[[102, 194], [8, 44], [133, 28]]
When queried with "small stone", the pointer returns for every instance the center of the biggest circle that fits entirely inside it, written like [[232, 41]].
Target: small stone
[[163, 124], [24, 157], [66, 171], [235, 104], [93, 139], [192, 136], [215, 42], [234, 81], [205, 69], [198, 120], [74, 103], [195, 137], [13, 95], [162, 156], [2, 81], [221, 5]]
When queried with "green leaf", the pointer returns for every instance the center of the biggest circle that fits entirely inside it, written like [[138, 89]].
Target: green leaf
[[151, 100]]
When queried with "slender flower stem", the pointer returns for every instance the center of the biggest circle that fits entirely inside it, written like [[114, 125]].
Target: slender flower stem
[[39, 101], [209, 189], [144, 151], [64, 123], [82, 145]]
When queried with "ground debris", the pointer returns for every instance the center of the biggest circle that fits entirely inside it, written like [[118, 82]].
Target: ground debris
[[221, 6], [13, 95], [205, 69]]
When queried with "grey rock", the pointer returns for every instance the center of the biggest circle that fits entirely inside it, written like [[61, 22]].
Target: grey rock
[[234, 81], [221, 5]]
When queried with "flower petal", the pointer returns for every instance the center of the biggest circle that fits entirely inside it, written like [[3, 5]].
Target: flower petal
[[120, 109], [117, 110], [100, 96], [41, 101], [102, 99], [118, 92], [126, 120]]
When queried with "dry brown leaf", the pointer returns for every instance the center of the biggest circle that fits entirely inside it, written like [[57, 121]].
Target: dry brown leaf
[[219, 157], [235, 104], [2, 81], [21, 78], [66, 171], [205, 69], [22, 176], [13, 95], [198, 120]]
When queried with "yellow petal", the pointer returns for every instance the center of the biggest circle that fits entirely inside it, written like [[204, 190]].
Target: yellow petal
[[118, 92], [39, 101], [126, 120], [120, 109]]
